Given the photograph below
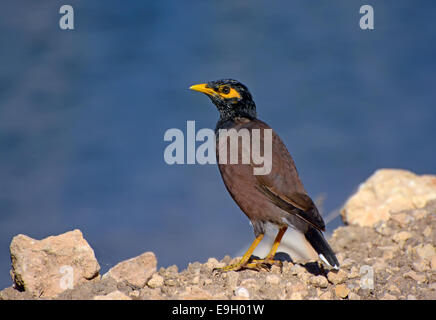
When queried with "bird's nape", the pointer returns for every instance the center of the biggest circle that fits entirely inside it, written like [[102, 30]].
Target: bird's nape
[[231, 97]]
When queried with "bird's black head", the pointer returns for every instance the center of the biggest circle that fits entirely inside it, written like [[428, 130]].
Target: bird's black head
[[231, 98]]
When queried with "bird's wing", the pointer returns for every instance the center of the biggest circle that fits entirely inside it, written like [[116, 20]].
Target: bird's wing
[[282, 185]]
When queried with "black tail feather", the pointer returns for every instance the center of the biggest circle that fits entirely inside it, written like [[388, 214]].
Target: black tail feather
[[321, 246]]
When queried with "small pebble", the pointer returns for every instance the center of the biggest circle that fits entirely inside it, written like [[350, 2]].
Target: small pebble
[[342, 291], [155, 281], [242, 292], [326, 296], [388, 296], [319, 281], [401, 236], [272, 279], [353, 296], [337, 277], [232, 279]]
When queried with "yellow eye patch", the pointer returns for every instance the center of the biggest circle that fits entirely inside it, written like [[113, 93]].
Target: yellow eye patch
[[228, 93], [223, 91]]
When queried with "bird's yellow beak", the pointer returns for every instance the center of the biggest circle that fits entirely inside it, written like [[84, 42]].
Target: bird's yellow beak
[[203, 88]]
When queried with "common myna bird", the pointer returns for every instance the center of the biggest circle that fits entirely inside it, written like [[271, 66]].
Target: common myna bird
[[278, 197]]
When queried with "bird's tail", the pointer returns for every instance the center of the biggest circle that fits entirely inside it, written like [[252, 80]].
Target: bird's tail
[[322, 247]]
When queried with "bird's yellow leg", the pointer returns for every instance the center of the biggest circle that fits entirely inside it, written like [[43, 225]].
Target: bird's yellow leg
[[269, 259], [242, 263]]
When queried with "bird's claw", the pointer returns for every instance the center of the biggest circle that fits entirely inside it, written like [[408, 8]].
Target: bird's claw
[[265, 263], [255, 264], [230, 267]]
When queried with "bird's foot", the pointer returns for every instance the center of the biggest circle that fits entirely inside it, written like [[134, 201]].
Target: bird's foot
[[266, 263], [253, 264], [231, 267]]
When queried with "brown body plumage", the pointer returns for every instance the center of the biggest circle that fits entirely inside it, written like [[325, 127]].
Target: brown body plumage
[[269, 198]]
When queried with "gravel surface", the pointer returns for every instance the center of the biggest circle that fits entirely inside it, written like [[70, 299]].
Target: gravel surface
[[395, 259]]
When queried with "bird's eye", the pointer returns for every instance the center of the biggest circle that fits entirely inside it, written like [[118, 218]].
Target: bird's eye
[[225, 90]]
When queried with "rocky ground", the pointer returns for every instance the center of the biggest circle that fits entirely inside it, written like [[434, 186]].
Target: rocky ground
[[389, 255]]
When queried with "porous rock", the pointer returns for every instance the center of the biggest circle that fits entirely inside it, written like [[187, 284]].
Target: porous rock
[[47, 267], [388, 191], [135, 271]]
